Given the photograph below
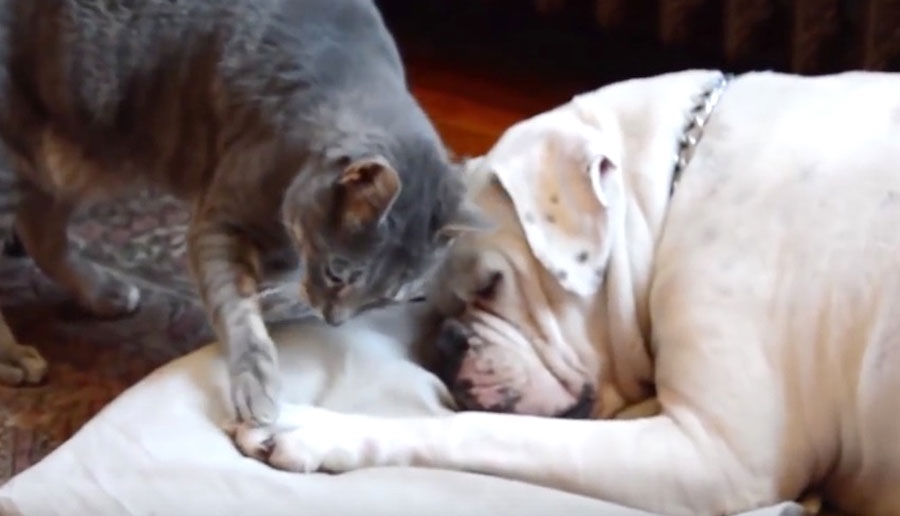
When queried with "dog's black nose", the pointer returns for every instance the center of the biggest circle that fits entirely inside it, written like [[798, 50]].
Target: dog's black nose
[[453, 340], [452, 345]]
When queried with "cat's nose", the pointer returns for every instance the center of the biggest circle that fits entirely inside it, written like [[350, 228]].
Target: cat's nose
[[334, 315]]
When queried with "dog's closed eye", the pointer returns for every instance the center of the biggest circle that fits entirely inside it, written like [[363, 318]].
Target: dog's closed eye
[[488, 290]]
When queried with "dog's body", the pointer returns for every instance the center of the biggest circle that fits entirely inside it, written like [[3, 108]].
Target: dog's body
[[761, 300]]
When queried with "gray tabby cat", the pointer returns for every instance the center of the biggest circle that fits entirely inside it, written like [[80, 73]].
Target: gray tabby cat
[[287, 123]]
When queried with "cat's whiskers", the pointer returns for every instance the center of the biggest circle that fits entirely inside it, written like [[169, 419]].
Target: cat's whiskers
[[269, 292]]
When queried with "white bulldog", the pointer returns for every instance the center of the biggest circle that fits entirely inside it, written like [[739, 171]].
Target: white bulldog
[[758, 301]]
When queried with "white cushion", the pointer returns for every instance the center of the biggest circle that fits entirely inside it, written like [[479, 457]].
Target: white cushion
[[158, 448]]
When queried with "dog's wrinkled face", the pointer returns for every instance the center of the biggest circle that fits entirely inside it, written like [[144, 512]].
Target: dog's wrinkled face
[[495, 353], [517, 299]]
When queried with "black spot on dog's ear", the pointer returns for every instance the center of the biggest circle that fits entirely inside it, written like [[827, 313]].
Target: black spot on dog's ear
[[582, 257]]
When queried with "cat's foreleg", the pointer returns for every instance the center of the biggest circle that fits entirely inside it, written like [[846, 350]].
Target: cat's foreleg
[[226, 268], [42, 222]]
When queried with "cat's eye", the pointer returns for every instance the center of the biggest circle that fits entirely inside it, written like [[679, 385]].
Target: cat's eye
[[332, 276], [337, 274], [334, 271]]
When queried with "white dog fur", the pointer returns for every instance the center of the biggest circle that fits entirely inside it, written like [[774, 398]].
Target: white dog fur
[[760, 303]]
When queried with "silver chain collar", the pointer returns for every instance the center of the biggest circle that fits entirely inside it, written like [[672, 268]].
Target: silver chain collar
[[693, 130]]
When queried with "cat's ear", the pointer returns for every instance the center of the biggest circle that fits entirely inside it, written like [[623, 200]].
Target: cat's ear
[[468, 219], [367, 188]]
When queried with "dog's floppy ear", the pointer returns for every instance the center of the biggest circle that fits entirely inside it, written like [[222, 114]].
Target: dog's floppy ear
[[559, 174], [467, 219]]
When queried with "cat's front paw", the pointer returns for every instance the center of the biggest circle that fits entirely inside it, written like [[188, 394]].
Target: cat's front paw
[[109, 297], [309, 439], [21, 365], [255, 385]]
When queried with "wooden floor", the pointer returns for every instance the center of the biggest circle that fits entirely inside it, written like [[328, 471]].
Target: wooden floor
[[471, 108]]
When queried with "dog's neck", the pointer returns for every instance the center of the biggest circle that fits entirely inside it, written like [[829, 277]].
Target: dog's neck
[[651, 115]]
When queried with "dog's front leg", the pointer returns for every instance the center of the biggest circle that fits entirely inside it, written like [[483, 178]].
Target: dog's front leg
[[650, 463]]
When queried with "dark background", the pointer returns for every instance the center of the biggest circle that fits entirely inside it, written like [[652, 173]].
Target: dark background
[[515, 37]]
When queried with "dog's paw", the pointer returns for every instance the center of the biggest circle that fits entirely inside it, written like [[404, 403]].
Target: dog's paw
[[21, 365], [309, 439], [252, 441]]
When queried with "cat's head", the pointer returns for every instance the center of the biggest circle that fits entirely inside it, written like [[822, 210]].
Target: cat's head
[[370, 233]]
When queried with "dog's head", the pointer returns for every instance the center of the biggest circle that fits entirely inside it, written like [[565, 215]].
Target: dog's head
[[520, 302]]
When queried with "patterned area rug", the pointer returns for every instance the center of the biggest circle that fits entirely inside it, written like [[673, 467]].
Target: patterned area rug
[[92, 361]]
